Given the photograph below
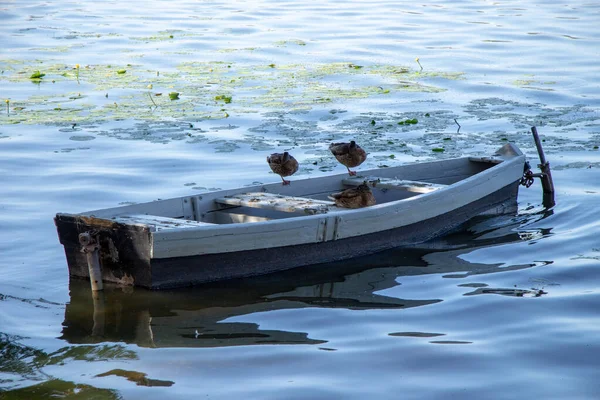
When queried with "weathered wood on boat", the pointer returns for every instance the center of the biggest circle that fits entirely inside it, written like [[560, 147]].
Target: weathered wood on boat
[[387, 183], [157, 223], [278, 202], [125, 249], [266, 228], [492, 160]]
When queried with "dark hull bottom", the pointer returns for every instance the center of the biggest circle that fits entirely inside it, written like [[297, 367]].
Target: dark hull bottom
[[186, 271]]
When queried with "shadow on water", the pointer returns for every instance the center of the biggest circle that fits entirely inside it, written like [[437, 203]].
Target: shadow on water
[[197, 317]]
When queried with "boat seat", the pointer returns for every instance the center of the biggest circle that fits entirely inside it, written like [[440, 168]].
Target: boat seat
[[390, 183], [491, 160], [278, 202], [158, 223]]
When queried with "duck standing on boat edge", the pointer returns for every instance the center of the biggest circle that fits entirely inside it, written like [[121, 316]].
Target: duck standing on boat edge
[[358, 197], [283, 164], [348, 154]]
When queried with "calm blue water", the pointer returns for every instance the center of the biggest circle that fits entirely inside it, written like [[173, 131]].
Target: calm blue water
[[506, 310]]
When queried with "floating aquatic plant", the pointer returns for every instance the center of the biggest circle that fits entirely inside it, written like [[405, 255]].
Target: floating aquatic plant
[[257, 88], [418, 62], [76, 73], [174, 96], [293, 41], [223, 98], [150, 94], [37, 75], [412, 121]]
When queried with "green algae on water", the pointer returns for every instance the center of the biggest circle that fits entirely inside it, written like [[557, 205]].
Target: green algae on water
[[207, 84]]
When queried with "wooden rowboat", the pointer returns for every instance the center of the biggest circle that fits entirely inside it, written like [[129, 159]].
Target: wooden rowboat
[[266, 228]]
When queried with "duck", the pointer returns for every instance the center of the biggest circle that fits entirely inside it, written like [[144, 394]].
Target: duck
[[358, 197], [348, 154], [283, 164]]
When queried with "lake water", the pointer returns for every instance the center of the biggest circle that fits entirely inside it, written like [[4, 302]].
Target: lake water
[[509, 309]]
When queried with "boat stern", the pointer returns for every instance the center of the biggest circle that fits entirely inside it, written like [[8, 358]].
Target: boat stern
[[124, 250]]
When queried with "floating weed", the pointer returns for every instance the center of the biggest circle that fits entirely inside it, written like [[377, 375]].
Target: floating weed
[[37, 75], [165, 36], [291, 41], [236, 50], [257, 88], [412, 121], [121, 71], [224, 98], [55, 49], [530, 83], [438, 150], [174, 96], [150, 95], [418, 62]]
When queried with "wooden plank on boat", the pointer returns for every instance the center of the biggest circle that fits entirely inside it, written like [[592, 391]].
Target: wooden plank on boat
[[388, 183], [158, 223], [279, 203], [491, 160]]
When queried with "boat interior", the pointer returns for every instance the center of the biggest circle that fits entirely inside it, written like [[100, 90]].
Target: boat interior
[[302, 197]]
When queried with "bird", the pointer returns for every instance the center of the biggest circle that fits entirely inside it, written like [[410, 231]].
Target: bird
[[283, 164], [349, 154], [358, 197]]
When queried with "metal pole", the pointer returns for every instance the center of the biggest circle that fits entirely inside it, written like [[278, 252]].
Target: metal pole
[[90, 247], [546, 175]]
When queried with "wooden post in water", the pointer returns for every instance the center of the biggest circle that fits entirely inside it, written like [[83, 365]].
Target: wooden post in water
[[89, 246], [545, 176]]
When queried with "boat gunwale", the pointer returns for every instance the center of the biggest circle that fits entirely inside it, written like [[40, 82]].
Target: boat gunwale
[[267, 187], [379, 215], [361, 211]]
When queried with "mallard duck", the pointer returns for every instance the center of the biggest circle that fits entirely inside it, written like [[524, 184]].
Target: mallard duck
[[358, 197], [349, 154], [283, 164]]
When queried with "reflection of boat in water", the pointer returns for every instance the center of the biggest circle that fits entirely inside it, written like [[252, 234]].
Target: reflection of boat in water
[[200, 316], [197, 317]]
